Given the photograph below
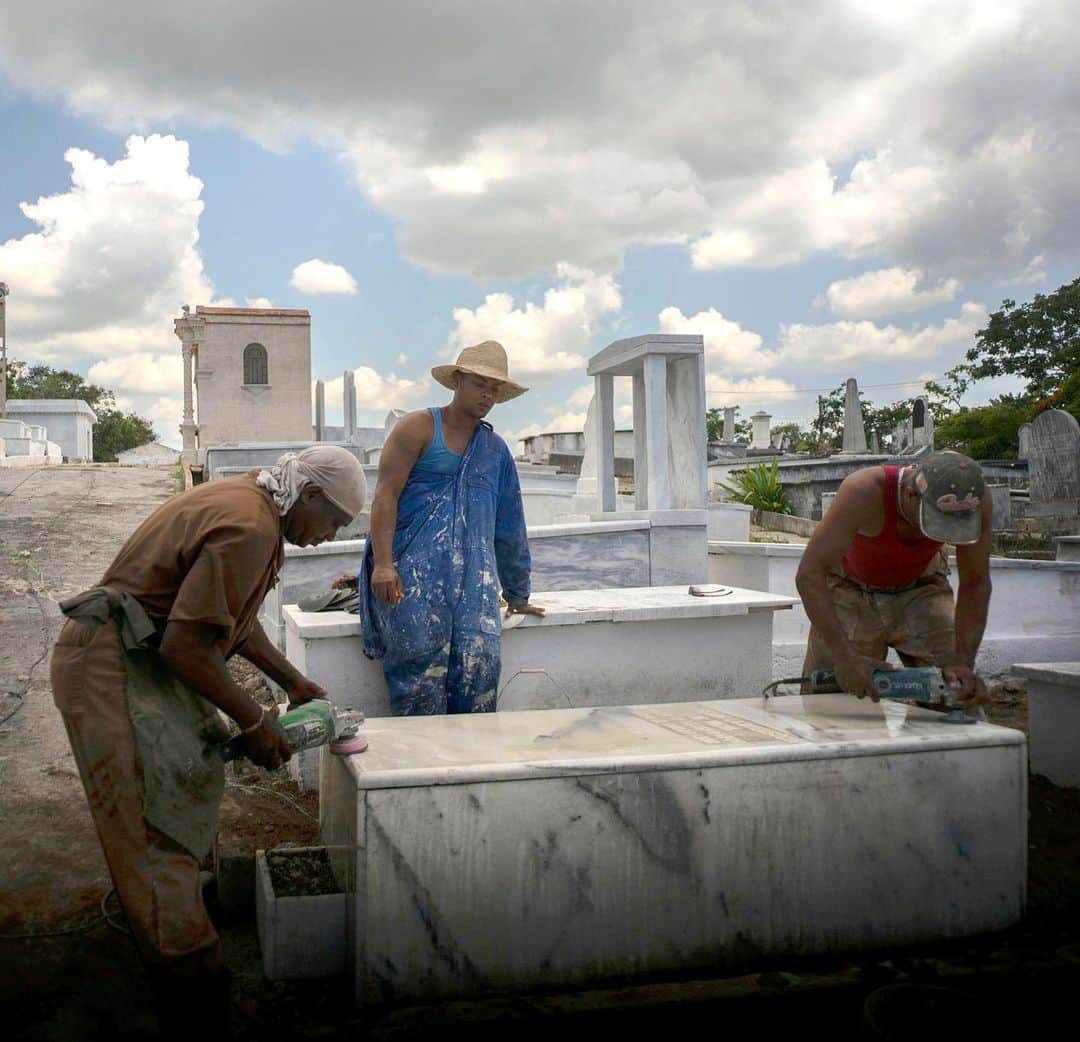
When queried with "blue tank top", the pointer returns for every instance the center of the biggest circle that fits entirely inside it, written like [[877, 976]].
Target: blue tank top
[[437, 458]]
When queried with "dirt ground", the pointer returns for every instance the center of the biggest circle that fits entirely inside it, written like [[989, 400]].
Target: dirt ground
[[68, 972]]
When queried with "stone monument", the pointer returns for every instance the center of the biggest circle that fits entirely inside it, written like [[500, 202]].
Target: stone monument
[[759, 430], [1054, 465], [854, 443], [668, 373], [320, 410], [348, 403], [729, 425]]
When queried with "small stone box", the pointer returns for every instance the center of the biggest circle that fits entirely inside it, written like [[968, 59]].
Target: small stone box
[[300, 937]]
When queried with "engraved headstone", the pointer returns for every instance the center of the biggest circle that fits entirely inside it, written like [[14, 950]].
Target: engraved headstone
[[854, 432], [1054, 459], [1001, 504]]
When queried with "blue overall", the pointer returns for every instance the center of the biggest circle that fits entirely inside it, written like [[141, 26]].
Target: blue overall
[[456, 534]]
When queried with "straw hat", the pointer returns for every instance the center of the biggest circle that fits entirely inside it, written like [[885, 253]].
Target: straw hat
[[488, 360]]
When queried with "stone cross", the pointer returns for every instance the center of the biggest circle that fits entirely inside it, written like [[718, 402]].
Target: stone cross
[[854, 432], [668, 373], [1054, 459], [320, 410], [759, 436]]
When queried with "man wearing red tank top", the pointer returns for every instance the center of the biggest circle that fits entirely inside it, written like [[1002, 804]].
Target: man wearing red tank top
[[874, 575]]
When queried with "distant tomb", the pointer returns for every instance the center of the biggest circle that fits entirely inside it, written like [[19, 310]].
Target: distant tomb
[[1054, 465]]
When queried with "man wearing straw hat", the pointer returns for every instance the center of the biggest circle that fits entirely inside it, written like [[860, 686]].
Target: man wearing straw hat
[[447, 530]]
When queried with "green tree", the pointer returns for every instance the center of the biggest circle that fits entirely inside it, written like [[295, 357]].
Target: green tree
[[759, 487], [1039, 341], [985, 432], [714, 426], [803, 440], [114, 430], [828, 427]]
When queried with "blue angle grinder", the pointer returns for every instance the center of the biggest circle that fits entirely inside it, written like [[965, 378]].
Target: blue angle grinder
[[920, 685]]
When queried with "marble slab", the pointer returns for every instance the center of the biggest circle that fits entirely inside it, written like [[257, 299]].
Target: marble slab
[[567, 847]]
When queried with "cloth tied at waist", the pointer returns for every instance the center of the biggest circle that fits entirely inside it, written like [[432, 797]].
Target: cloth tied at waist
[[177, 732]]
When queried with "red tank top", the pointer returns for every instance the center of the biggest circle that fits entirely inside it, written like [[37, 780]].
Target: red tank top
[[886, 560]]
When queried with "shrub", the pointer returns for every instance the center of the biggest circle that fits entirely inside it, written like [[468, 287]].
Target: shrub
[[760, 488]]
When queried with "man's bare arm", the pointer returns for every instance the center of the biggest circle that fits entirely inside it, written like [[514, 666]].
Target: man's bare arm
[[403, 448], [972, 606], [259, 650], [191, 650], [853, 508]]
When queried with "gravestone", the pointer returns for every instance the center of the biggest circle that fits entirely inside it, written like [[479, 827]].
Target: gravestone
[[1054, 464], [1023, 433], [854, 433], [1001, 504], [348, 403], [922, 423], [759, 437], [729, 425], [320, 409]]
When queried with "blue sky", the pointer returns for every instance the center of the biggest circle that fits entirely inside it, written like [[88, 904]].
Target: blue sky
[[835, 192]]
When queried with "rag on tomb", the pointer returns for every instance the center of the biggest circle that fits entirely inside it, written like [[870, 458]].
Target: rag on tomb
[[459, 537]]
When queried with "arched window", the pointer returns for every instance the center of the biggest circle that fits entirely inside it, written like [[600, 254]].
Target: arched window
[[255, 368]]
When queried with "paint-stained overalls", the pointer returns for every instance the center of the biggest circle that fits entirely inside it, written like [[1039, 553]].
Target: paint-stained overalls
[[458, 538]]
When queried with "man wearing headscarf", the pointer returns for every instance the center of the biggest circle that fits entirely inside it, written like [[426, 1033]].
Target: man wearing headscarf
[[139, 675], [447, 530]]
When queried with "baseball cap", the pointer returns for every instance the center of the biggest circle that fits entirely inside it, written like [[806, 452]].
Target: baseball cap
[[951, 492]]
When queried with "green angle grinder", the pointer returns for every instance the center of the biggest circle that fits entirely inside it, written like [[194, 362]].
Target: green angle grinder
[[310, 725], [919, 685]]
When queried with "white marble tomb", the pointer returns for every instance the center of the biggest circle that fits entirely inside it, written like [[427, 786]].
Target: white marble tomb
[[516, 851], [593, 647]]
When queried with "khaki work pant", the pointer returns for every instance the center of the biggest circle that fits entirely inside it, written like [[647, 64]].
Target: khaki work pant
[[157, 880], [917, 621]]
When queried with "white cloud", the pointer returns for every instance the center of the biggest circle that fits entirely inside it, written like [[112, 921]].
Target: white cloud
[[258, 302], [541, 341], [751, 393], [141, 374], [728, 346], [887, 291], [319, 276], [852, 342], [1034, 272], [402, 358], [917, 132]]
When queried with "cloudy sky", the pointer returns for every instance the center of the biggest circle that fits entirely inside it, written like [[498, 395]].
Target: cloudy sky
[[823, 189]]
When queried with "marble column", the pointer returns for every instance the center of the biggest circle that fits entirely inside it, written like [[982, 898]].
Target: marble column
[[348, 401], [605, 424], [187, 425], [320, 410], [641, 452], [658, 482]]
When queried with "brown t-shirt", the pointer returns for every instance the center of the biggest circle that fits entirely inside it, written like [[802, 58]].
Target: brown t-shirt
[[208, 555]]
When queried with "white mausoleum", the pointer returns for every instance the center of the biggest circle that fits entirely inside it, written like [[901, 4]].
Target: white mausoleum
[[247, 377], [69, 421]]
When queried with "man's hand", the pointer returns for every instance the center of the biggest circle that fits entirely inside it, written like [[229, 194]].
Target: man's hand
[[525, 608], [854, 674], [386, 584], [266, 745], [302, 690], [966, 685]]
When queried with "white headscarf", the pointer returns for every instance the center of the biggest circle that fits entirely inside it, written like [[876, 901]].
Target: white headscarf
[[334, 469]]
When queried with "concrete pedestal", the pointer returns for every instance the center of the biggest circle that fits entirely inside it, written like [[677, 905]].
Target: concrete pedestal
[[517, 851]]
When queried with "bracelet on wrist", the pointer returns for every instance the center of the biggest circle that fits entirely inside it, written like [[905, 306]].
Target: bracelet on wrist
[[258, 723]]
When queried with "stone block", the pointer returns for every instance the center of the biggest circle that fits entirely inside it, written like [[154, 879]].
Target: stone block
[[1053, 719], [560, 848]]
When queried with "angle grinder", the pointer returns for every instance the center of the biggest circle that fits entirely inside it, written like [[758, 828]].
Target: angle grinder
[[310, 725], [919, 685]]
